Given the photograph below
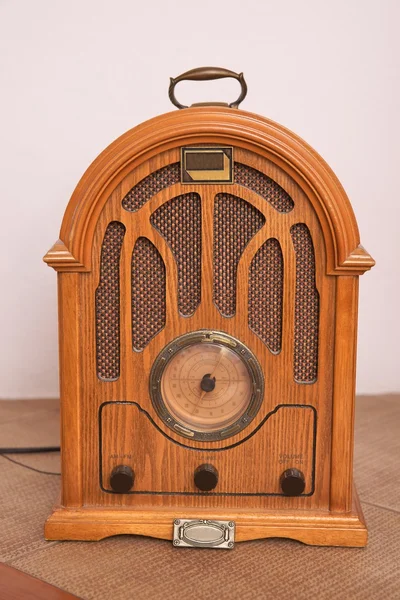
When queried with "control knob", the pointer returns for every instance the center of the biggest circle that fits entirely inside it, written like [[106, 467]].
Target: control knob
[[206, 477], [122, 479], [292, 482]]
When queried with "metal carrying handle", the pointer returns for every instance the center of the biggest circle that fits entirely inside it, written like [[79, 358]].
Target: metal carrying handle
[[207, 74]]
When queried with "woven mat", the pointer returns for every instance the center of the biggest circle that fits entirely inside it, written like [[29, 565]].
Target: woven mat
[[125, 567]]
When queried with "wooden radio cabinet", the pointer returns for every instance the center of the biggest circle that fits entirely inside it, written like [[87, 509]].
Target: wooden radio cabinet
[[208, 268]]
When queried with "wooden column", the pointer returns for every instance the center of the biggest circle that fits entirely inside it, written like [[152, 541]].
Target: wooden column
[[70, 378], [345, 353]]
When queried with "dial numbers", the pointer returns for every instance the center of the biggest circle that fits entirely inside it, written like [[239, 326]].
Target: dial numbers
[[206, 386]]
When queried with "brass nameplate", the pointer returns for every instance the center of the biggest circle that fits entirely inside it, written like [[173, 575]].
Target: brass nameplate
[[207, 164]]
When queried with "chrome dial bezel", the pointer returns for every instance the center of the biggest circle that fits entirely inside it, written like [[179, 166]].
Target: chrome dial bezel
[[207, 336]]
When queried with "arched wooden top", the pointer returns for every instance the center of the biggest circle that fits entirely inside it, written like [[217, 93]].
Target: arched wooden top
[[211, 124]]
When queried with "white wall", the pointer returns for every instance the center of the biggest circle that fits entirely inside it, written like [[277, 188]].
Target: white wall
[[77, 74]]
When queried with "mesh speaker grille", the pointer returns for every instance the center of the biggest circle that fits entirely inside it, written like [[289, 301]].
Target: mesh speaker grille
[[306, 307], [148, 293], [235, 223], [107, 303], [264, 186], [150, 186], [179, 222], [266, 294]]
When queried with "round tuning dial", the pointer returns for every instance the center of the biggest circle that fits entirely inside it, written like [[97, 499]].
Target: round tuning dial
[[122, 479], [292, 482], [206, 385], [206, 478]]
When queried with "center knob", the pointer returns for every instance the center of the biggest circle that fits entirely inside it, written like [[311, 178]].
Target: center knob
[[206, 477], [207, 384]]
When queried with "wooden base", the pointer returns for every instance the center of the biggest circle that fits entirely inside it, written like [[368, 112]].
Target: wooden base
[[315, 528]]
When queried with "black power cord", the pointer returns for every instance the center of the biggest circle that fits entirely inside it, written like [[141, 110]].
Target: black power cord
[[5, 451], [16, 462]]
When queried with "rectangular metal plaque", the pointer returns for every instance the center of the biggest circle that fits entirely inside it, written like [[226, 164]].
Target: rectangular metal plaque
[[207, 164], [204, 533]]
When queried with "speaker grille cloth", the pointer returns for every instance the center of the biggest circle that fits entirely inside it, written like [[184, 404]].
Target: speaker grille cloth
[[107, 303], [150, 186], [148, 293], [235, 223], [266, 294], [179, 222], [264, 186], [306, 307]]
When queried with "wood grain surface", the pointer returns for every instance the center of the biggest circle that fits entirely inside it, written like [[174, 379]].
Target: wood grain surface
[[161, 466], [164, 466]]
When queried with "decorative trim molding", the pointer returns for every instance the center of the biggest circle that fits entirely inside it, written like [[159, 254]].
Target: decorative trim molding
[[213, 124], [318, 528], [61, 259], [361, 257]]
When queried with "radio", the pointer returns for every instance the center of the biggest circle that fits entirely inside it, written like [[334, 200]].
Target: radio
[[208, 268]]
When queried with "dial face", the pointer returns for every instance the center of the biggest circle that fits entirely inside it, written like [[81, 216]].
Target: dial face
[[206, 385]]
